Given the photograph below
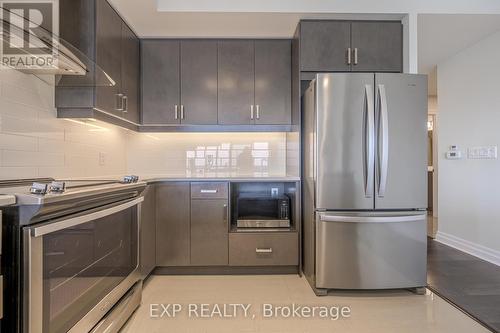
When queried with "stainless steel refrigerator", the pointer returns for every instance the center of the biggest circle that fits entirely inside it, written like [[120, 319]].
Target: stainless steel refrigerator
[[365, 181]]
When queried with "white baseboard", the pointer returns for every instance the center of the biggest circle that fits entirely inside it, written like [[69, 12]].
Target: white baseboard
[[471, 248]]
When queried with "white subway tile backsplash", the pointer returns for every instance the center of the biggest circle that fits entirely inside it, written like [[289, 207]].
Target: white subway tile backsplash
[[12, 158], [17, 142], [53, 146], [28, 97], [35, 143], [10, 108], [18, 172]]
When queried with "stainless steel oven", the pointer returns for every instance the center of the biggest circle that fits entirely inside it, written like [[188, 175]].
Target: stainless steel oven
[[76, 268]]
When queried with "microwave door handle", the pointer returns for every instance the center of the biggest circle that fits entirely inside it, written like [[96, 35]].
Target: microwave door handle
[[71, 222]]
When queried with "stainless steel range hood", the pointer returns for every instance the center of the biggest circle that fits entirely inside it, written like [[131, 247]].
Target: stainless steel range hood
[[45, 54]]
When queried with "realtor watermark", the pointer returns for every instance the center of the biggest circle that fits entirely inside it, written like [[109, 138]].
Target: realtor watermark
[[233, 310], [29, 34]]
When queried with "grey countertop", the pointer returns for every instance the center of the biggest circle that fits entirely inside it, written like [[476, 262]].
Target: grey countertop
[[6, 200], [158, 179]]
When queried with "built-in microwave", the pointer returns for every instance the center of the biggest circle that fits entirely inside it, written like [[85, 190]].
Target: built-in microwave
[[262, 211]]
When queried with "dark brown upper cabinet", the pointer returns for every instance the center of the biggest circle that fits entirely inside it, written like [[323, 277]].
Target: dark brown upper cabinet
[[273, 82], [377, 46], [254, 85], [236, 82], [324, 45], [131, 74], [215, 83], [198, 82], [160, 82], [343, 46], [179, 82], [108, 57], [97, 30]]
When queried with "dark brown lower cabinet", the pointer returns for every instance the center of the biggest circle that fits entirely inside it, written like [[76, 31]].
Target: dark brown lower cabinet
[[192, 230], [172, 224], [148, 232], [264, 249], [209, 232]]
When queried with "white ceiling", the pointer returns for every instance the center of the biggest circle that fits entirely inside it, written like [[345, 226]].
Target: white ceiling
[[147, 21], [441, 36], [332, 6]]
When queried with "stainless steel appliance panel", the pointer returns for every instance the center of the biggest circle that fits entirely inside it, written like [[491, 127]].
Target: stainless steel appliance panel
[[121, 312], [377, 250], [401, 160], [1, 276], [77, 267], [345, 141], [263, 224]]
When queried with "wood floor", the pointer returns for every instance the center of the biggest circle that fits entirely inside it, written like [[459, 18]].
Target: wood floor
[[468, 282]]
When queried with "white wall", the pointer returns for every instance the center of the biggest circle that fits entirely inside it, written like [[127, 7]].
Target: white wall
[[469, 115]]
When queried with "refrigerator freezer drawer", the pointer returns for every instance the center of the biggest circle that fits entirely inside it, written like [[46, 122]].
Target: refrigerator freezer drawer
[[371, 251]]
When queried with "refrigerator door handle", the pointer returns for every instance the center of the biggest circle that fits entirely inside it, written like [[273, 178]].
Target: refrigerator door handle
[[383, 141], [369, 141], [371, 219]]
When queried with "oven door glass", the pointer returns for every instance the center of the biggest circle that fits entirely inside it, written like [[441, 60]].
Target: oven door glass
[[81, 264]]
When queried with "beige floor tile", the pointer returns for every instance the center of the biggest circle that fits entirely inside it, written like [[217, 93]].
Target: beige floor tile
[[371, 312]]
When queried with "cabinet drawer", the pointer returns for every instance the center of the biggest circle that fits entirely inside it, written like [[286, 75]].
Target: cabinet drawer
[[263, 249], [209, 190]]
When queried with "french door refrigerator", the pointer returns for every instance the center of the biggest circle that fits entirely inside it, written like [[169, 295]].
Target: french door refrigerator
[[365, 181]]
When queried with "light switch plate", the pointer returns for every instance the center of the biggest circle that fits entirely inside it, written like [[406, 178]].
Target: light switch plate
[[454, 155], [483, 152]]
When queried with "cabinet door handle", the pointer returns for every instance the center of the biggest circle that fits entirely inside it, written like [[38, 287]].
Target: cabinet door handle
[[182, 111], [125, 103], [264, 250], [355, 56], [251, 111], [176, 112], [119, 102], [208, 191], [258, 111], [225, 213], [349, 52]]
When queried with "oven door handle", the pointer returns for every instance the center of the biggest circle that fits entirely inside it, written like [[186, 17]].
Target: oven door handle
[[51, 227]]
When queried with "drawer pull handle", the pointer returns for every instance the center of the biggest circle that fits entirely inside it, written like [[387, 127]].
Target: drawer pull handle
[[268, 250], [208, 191]]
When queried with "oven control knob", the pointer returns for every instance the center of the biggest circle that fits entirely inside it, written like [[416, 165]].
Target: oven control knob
[[130, 179], [57, 187], [38, 188]]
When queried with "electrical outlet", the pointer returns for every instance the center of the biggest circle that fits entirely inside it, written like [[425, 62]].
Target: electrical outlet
[[102, 159], [274, 192]]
